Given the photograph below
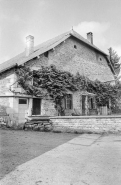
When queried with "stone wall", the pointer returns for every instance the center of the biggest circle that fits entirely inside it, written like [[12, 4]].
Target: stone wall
[[7, 100], [65, 56], [8, 107], [7, 79], [48, 108], [88, 124], [82, 59]]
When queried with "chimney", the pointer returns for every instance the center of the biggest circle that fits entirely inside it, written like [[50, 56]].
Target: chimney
[[29, 45], [90, 37]]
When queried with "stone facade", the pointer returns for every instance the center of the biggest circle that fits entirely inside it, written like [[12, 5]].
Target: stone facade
[[83, 59], [7, 106], [6, 80], [71, 55]]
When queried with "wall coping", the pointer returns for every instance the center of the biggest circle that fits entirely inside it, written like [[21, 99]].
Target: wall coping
[[86, 117]]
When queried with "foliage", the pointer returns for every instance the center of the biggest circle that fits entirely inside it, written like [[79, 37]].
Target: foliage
[[114, 58], [46, 81], [104, 92], [49, 81]]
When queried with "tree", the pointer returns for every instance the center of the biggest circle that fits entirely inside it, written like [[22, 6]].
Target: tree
[[114, 58]]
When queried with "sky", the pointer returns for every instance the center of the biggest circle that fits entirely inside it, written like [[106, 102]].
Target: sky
[[45, 19]]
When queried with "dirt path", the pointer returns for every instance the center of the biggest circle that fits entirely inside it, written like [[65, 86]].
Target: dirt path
[[17, 147]]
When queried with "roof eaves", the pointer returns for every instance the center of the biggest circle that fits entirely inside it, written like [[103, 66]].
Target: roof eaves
[[40, 49], [10, 67]]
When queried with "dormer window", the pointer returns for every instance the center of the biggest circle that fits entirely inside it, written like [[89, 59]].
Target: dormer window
[[75, 46], [46, 54]]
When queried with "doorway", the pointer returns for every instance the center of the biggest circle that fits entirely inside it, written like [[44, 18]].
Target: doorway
[[83, 105], [22, 109], [36, 108]]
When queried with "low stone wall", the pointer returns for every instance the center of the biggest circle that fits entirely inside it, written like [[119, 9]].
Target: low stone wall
[[88, 124]]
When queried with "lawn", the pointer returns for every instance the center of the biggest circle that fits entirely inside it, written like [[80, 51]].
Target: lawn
[[17, 147]]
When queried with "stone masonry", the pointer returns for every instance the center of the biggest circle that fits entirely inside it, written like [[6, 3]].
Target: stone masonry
[[71, 55], [88, 124], [83, 59]]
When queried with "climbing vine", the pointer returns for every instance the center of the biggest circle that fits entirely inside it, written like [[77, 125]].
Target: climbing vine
[[49, 81]]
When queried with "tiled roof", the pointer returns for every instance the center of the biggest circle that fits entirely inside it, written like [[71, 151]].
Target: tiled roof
[[38, 50], [46, 46]]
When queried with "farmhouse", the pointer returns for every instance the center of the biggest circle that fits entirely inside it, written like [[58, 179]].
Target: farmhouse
[[68, 52]]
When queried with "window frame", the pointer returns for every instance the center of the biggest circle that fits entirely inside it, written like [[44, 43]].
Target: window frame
[[92, 103], [22, 103]]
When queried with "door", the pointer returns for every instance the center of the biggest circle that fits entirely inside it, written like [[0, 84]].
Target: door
[[22, 109], [36, 109], [83, 104]]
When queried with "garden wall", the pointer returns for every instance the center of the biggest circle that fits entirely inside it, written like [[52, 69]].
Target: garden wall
[[88, 124]]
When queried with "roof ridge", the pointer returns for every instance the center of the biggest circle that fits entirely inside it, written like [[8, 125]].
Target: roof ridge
[[74, 33], [51, 39]]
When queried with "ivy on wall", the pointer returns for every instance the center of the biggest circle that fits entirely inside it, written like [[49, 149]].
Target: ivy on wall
[[49, 81]]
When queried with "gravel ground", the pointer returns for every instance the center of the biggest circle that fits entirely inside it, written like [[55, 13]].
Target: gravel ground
[[18, 147]]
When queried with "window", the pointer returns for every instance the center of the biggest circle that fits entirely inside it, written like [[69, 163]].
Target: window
[[68, 101], [75, 46], [92, 103], [22, 101], [109, 104]]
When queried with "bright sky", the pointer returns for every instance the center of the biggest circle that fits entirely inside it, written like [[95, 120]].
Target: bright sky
[[45, 19]]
